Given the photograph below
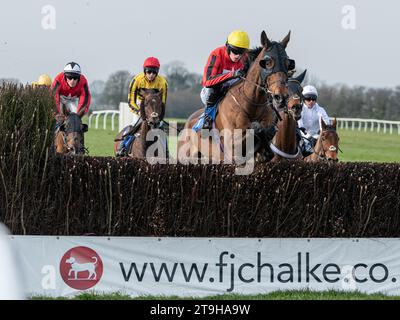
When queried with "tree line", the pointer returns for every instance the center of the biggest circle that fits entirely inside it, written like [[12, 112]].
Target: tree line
[[339, 100]]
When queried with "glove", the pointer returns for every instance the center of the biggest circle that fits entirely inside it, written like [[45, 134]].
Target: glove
[[303, 130], [238, 74]]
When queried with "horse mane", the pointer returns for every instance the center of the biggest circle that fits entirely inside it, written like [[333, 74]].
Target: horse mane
[[252, 55], [329, 127], [74, 121]]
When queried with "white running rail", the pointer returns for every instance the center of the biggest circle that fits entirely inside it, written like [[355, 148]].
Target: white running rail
[[372, 125], [103, 113], [384, 126]]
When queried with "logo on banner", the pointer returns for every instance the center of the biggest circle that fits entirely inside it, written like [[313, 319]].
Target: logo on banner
[[81, 268]]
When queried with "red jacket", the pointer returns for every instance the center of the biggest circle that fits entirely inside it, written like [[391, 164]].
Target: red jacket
[[220, 68], [81, 91]]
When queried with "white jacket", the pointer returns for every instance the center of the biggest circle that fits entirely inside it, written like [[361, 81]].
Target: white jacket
[[310, 119]]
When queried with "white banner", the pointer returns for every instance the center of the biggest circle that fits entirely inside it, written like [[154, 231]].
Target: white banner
[[63, 266]]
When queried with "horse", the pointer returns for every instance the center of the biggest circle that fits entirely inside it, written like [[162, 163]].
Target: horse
[[285, 144], [327, 145], [245, 103], [152, 111], [69, 137]]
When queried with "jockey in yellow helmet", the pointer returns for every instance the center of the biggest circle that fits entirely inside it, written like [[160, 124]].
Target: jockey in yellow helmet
[[43, 80]]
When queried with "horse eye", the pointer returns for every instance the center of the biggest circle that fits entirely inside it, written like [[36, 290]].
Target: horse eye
[[269, 63]]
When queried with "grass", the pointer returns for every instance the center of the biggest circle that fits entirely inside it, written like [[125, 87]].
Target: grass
[[355, 145], [277, 295]]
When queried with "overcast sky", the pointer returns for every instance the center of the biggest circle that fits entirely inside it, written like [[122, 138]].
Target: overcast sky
[[105, 36]]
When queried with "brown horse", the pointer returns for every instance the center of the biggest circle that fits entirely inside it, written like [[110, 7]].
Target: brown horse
[[152, 111], [247, 102], [69, 137], [285, 144], [327, 145]]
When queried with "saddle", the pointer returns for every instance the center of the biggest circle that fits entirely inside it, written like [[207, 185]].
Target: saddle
[[129, 130]]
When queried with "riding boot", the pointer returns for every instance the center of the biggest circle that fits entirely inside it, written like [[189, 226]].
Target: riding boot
[[269, 132], [306, 148], [268, 153], [214, 94], [298, 136], [208, 121], [121, 151]]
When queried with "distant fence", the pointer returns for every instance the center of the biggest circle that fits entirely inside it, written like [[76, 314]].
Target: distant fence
[[384, 126], [104, 114], [125, 115]]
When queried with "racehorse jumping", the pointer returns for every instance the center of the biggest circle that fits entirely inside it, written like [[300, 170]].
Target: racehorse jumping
[[246, 103], [152, 111], [285, 144], [327, 145], [69, 137]]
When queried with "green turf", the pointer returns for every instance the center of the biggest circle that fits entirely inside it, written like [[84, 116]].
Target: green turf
[[355, 145], [369, 146], [278, 295]]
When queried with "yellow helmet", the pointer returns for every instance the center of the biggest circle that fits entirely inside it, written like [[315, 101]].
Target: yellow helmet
[[44, 80], [239, 39]]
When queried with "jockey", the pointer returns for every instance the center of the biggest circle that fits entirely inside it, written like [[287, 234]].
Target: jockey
[[148, 79], [71, 90], [43, 81], [225, 63], [309, 124]]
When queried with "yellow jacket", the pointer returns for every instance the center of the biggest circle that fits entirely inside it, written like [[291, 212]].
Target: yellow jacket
[[140, 82]]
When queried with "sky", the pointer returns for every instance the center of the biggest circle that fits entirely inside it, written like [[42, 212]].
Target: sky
[[337, 41]]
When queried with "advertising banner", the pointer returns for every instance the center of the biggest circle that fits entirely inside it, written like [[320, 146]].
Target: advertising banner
[[196, 267]]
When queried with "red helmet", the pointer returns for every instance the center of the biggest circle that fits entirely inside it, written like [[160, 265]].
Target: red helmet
[[151, 62]]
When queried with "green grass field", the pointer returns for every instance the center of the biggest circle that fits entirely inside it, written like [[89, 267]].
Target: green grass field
[[355, 145], [278, 295]]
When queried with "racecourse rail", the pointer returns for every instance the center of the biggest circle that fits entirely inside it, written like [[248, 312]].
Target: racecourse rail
[[372, 125]]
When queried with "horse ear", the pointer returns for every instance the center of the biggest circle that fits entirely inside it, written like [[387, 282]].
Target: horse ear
[[142, 92], [301, 77], [322, 124], [264, 40], [334, 122], [286, 40]]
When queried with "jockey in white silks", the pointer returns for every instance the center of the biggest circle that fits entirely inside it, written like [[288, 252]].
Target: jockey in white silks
[[309, 123]]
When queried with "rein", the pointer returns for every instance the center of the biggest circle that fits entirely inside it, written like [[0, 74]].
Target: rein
[[266, 103]]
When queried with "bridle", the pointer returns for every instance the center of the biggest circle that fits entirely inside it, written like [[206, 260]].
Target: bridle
[[153, 115], [269, 93], [322, 152], [65, 142]]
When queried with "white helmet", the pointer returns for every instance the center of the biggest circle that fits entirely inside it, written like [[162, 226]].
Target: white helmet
[[72, 68], [310, 91]]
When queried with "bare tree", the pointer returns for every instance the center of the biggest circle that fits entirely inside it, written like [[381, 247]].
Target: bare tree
[[116, 88]]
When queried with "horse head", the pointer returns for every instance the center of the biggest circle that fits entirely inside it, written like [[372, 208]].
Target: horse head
[[275, 65], [328, 142], [152, 108], [295, 100], [73, 130]]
